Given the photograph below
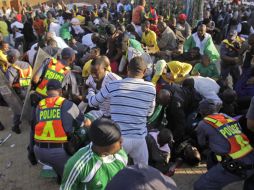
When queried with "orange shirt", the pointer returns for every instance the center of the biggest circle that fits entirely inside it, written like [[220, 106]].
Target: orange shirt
[[137, 14]]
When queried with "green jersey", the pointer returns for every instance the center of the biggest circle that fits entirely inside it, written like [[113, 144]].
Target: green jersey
[[87, 170]]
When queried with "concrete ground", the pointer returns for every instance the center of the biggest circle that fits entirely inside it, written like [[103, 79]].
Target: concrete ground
[[16, 172]]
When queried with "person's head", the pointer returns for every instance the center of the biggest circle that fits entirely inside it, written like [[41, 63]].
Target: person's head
[[145, 26], [95, 52], [191, 155], [229, 96], [188, 83], [95, 38], [137, 67], [4, 46], [172, 23], [182, 18], [201, 30], [49, 15], [98, 68], [164, 97], [194, 52], [122, 43], [232, 35], [142, 2], [52, 43], [140, 177], [105, 135], [95, 7], [165, 136], [13, 55], [244, 17], [205, 60], [110, 29], [54, 88], [130, 28], [207, 107], [68, 55], [162, 27]]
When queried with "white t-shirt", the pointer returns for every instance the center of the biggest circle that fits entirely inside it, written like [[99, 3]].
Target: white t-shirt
[[54, 27], [207, 87], [87, 40]]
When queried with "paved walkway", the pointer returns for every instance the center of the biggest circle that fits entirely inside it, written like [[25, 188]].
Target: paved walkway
[[16, 173]]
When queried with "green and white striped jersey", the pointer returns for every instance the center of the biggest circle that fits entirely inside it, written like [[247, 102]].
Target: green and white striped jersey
[[86, 170]]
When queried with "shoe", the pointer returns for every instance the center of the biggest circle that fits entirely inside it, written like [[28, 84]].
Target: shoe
[[16, 129], [1, 127]]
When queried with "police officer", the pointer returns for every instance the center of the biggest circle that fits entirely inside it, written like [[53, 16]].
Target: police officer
[[59, 70], [232, 157], [55, 119], [19, 76], [229, 52]]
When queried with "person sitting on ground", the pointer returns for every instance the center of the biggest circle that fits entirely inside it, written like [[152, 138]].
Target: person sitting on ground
[[93, 166], [206, 69], [204, 42], [183, 26], [159, 149], [149, 38], [167, 40]]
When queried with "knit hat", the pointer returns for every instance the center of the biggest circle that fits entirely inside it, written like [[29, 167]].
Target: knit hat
[[182, 17], [104, 132]]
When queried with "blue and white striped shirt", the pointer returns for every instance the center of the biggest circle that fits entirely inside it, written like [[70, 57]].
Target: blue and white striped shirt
[[131, 102]]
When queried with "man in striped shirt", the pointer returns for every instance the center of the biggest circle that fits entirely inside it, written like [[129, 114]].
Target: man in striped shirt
[[98, 78], [132, 100], [93, 166]]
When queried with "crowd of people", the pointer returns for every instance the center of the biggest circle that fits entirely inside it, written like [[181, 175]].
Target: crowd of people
[[126, 92]]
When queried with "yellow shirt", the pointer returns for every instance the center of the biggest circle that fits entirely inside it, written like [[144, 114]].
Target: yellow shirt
[[87, 69], [3, 61], [4, 28], [81, 19], [150, 39], [176, 68]]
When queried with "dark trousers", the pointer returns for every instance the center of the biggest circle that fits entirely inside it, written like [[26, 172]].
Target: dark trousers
[[217, 177], [233, 70]]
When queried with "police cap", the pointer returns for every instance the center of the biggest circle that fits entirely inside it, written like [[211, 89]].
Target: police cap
[[54, 85]]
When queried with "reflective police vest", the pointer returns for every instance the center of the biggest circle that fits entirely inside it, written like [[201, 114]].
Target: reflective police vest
[[230, 129], [24, 76], [56, 70], [50, 127]]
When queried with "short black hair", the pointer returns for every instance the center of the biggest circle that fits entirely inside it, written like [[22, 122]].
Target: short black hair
[[137, 65]]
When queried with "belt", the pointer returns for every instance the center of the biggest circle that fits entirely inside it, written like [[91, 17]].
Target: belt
[[49, 145]]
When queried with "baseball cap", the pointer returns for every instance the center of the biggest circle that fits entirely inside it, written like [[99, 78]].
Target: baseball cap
[[54, 85], [141, 177], [67, 53], [104, 132], [207, 106]]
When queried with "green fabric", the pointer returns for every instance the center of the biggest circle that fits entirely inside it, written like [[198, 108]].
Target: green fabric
[[136, 45], [64, 31], [209, 71], [48, 173], [155, 115], [209, 49], [86, 170]]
